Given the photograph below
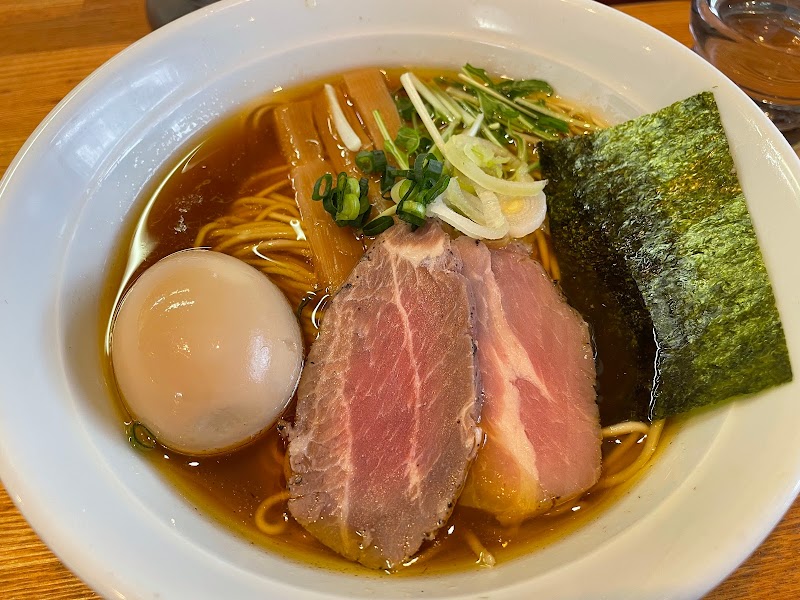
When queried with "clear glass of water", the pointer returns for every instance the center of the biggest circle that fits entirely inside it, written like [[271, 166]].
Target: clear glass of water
[[756, 43]]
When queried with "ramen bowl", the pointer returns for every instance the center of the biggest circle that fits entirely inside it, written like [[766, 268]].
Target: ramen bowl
[[713, 494]]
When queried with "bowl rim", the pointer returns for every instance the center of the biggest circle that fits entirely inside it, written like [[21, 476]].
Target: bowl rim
[[74, 553]]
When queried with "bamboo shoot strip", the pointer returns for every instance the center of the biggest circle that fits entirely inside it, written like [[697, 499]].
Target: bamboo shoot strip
[[367, 90], [297, 135], [336, 250], [661, 194]]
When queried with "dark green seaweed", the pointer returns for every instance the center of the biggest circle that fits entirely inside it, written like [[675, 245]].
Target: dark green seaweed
[[652, 211]]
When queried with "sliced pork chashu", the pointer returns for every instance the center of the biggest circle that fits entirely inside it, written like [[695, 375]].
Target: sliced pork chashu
[[385, 429]]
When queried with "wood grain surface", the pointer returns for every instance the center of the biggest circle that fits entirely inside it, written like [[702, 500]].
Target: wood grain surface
[[49, 46]]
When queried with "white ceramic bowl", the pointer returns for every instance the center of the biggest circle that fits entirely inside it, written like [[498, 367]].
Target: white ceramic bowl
[[714, 495]]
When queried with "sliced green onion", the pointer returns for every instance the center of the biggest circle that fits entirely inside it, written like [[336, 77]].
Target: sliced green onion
[[351, 203], [412, 212], [390, 175], [140, 437], [378, 225], [347, 202], [400, 189], [391, 211], [371, 161], [327, 181]]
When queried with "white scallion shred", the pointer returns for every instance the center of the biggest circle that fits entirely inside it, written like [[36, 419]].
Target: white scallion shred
[[474, 156], [476, 125], [524, 214], [346, 133], [432, 99], [468, 227], [506, 201], [407, 80]]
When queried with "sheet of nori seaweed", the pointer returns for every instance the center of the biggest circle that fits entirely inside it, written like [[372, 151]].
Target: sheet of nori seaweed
[[652, 209]]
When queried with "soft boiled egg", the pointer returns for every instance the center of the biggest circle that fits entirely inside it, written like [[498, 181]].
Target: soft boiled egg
[[206, 352]]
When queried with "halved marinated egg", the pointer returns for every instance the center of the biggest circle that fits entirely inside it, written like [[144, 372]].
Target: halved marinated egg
[[206, 352]]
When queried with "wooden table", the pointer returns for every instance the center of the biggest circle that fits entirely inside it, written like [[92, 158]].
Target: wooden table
[[46, 48]]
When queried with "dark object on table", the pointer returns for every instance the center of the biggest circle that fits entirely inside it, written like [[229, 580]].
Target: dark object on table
[[161, 12]]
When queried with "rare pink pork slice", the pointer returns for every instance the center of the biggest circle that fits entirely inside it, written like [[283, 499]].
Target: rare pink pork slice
[[537, 370], [385, 429]]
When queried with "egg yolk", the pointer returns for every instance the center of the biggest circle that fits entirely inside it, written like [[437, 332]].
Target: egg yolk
[[206, 352]]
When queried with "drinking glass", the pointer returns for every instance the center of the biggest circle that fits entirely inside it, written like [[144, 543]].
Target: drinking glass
[[756, 43]]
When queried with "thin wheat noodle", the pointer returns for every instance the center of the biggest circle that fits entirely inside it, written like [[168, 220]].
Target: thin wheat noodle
[[254, 118], [247, 202], [201, 235], [286, 268], [287, 468], [286, 199], [544, 251], [248, 236], [280, 271], [273, 188], [301, 245], [253, 232], [268, 173], [484, 556], [260, 516], [620, 450], [286, 249], [555, 272], [276, 453], [283, 270], [283, 259], [625, 428], [568, 506], [641, 461], [425, 555], [255, 228], [275, 213]]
